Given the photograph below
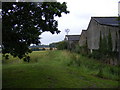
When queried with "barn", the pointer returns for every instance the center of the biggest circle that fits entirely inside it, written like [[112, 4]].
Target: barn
[[72, 40], [102, 26], [83, 38]]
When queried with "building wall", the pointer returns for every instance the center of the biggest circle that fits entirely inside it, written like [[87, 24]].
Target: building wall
[[93, 34], [72, 44], [113, 30], [83, 38]]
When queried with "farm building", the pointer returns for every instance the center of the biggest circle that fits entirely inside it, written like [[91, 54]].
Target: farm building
[[83, 38], [102, 26], [72, 40]]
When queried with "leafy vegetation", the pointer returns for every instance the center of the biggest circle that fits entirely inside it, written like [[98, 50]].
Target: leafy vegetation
[[105, 51], [62, 45], [83, 50], [22, 23], [58, 69]]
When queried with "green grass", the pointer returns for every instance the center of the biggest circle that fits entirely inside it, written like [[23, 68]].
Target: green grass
[[58, 69]]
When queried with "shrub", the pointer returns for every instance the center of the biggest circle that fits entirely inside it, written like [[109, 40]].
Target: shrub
[[77, 49], [62, 45], [81, 50], [96, 55], [93, 67]]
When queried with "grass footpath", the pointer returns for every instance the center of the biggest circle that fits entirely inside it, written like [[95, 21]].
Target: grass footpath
[[58, 69]]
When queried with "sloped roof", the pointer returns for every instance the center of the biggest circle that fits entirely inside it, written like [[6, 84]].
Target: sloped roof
[[83, 31], [73, 37], [112, 21]]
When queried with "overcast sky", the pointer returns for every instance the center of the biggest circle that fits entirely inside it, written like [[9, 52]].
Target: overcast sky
[[80, 13], [79, 17]]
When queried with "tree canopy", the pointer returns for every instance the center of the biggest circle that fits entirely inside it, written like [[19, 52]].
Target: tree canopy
[[23, 22]]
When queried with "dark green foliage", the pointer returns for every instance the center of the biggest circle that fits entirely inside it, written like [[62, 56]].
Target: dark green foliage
[[77, 49], [116, 42], [109, 45], [26, 59], [100, 73], [103, 44], [100, 42], [96, 54], [93, 67], [53, 45], [105, 52], [6, 56], [116, 53], [85, 48], [81, 49], [62, 45], [24, 22], [101, 52], [103, 70]]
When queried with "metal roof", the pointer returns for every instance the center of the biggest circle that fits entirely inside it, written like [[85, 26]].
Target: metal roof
[[112, 21], [73, 37], [83, 32]]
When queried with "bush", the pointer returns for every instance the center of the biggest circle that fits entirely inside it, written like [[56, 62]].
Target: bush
[[62, 45], [83, 50], [93, 67], [77, 49], [96, 55]]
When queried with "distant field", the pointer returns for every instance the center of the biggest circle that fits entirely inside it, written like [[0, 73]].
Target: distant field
[[58, 69]]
